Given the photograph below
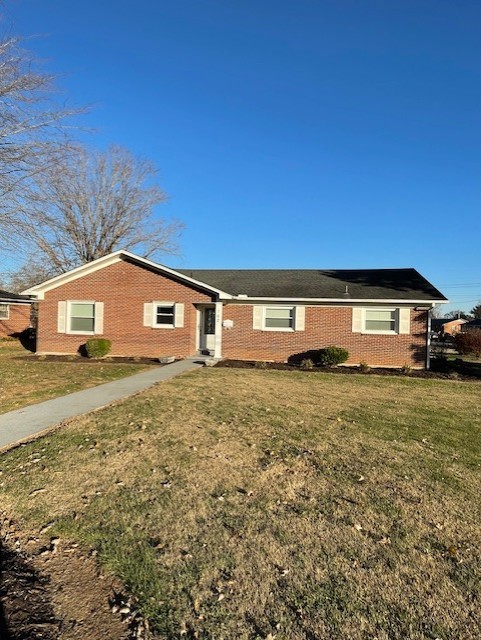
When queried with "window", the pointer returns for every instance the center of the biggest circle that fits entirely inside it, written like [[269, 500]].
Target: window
[[160, 314], [380, 320], [164, 315], [82, 317], [279, 318], [4, 311], [209, 321]]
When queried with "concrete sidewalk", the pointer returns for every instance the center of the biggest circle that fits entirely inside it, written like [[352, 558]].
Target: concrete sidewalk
[[23, 424]]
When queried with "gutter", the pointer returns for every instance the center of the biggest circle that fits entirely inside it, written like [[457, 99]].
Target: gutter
[[343, 301], [16, 301]]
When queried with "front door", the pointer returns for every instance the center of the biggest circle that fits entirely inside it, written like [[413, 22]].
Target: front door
[[207, 329]]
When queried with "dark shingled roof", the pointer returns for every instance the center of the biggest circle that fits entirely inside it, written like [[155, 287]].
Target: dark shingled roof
[[362, 284], [7, 296], [474, 323]]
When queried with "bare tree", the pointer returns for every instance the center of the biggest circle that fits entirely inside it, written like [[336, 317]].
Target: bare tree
[[30, 128], [94, 203], [457, 313], [29, 274], [437, 311]]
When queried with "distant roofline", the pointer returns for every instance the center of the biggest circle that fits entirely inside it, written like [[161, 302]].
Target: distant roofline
[[14, 298]]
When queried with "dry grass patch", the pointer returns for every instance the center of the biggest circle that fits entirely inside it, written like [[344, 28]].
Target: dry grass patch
[[27, 381], [256, 504]]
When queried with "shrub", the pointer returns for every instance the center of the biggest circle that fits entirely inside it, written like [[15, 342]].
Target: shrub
[[306, 364], [469, 343], [406, 369], [260, 364], [332, 356], [364, 367], [97, 347]]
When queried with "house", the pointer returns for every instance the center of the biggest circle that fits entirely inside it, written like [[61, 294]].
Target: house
[[472, 325], [146, 309], [444, 325], [14, 313]]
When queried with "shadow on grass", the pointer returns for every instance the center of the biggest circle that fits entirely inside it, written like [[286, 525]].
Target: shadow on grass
[[25, 609], [458, 365]]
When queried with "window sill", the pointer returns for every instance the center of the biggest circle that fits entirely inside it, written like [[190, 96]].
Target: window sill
[[80, 333], [163, 326], [379, 333], [278, 329]]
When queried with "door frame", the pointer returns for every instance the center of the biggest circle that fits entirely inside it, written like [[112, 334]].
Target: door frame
[[217, 336]]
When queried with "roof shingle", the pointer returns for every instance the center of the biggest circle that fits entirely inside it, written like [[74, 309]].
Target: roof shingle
[[362, 284]]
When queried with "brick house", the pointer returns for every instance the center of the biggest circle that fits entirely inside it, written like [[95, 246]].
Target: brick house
[[14, 313], [146, 309], [451, 326]]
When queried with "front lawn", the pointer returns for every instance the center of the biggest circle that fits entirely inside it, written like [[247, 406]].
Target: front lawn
[[247, 504], [26, 380]]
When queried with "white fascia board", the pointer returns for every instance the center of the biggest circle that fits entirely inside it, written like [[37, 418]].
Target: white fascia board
[[39, 290], [341, 301]]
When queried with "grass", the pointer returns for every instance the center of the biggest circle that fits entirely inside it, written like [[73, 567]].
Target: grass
[[246, 504], [27, 381]]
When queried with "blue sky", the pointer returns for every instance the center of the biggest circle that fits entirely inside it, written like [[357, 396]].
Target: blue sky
[[289, 133]]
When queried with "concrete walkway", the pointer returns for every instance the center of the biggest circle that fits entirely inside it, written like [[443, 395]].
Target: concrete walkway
[[23, 424]]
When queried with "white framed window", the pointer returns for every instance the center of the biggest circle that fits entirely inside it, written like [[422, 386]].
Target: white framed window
[[4, 311], [381, 320], [279, 318], [80, 317], [163, 315]]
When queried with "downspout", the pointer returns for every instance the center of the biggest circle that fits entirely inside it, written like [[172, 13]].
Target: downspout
[[428, 339]]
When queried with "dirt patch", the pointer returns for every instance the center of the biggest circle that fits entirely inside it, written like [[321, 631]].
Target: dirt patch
[[454, 374], [25, 607], [55, 593]]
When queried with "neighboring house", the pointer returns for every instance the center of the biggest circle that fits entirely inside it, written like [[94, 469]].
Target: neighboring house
[[14, 313], [147, 309], [444, 325], [472, 324]]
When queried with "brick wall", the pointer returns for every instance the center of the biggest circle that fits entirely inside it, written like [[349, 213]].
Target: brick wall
[[123, 288], [19, 319], [324, 326]]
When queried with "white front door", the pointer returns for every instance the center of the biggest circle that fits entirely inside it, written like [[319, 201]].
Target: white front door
[[207, 329]]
